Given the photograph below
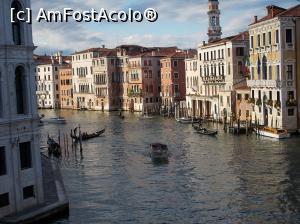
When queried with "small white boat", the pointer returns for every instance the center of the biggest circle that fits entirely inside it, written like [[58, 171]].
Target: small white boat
[[273, 133], [187, 120], [146, 117], [56, 120]]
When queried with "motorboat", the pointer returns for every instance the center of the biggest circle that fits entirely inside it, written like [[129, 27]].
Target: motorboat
[[187, 120], [56, 120], [159, 152], [273, 133]]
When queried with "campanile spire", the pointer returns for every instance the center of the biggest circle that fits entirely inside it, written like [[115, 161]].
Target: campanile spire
[[214, 28]]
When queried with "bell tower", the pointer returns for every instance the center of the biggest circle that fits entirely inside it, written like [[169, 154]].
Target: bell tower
[[214, 28]]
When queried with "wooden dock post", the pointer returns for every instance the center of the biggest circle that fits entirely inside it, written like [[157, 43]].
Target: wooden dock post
[[80, 141], [59, 138]]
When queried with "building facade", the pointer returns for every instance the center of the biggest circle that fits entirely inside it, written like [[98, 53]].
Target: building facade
[[65, 87], [274, 68], [173, 83], [20, 161], [47, 79], [104, 68], [221, 68], [83, 78]]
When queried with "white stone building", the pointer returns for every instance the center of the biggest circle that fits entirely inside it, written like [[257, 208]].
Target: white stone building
[[221, 67], [83, 78], [274, 58], [47, 79], [20, 161]]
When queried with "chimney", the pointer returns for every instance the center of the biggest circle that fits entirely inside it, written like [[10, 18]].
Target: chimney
[[203, 43], [153, 53], [103, 46], [255, 19]]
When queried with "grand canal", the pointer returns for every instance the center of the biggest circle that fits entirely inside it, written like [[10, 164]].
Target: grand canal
[[223, 179]]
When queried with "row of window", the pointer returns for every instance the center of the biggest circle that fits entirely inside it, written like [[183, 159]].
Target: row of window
[[192, 66], [25, 163], [28, 192], [83, 56], [265, 39], [46, 69], [65, 82], [212, 70], [265, 71], [168, 75]]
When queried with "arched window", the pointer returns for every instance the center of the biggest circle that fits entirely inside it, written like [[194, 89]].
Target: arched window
[[16, 25], [20, 85], [264, 68]]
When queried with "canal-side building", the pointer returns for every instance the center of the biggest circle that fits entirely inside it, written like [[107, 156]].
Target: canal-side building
[[193, 88], [65, 87], [83, 78], [144, 78], [104, 69], [274, 48], [243, 107], [173, 82], [222, 67], [47, 79], [21, 181]]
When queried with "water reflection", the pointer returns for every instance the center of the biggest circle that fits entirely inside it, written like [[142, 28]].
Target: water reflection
[[226, 179]]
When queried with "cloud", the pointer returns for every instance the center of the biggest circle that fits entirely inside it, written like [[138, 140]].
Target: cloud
[[181, 23]]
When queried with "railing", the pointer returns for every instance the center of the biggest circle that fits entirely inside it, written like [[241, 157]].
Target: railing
[[265, 83], [135, 94], [213, 79]]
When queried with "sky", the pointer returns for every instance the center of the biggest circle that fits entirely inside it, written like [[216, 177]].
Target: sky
[[181, 23]]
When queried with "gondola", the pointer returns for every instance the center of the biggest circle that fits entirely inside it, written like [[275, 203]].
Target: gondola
[[203, 131], [86, 136], [53, 147]]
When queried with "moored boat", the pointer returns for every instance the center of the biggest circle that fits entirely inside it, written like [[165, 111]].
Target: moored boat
[[85, 136], [159, 152], [53, 147], [273, 133], [56, 120], [187, 120], [203, 131]]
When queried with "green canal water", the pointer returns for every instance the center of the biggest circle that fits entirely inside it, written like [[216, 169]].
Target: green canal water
[[223, 179]]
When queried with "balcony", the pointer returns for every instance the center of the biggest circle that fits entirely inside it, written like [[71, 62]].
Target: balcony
[[291, 103], [213, 79], [135, 94], [264, 83]]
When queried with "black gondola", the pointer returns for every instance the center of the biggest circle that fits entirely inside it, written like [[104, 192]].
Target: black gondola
[[203, 131], [86, 136], [53, 147]]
